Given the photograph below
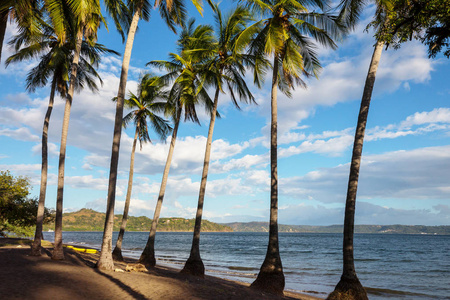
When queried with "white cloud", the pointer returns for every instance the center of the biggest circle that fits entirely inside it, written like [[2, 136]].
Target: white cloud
[[415, 174], [438, 115], [87, 167], [226, 187], [366, 213], [246, 162], [342, 80], [303, 214], [86, 182], [257, 178], [334, 146], [21, 134]]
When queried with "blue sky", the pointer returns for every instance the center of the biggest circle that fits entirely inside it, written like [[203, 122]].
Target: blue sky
[[406, 157]]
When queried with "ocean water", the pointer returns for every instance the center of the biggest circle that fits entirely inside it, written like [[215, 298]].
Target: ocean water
[[389, 266]]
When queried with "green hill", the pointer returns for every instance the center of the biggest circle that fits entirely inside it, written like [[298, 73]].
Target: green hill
[[385, 229], [91, 220]]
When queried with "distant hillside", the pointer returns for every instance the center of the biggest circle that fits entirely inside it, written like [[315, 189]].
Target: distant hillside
[[91, 220], [388, 229]]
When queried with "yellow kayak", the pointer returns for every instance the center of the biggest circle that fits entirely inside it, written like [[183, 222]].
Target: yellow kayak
[[83, 249]]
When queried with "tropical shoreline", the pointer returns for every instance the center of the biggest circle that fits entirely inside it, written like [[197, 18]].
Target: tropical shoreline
[[75, 277], [161, 263]]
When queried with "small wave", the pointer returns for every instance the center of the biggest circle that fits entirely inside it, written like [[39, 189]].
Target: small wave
[[333, 274], [305, 292], [287, 252], [389, 292], [242, 268], [136, 249], [298, 273], [234, 274], [167, 256], [175, 261]]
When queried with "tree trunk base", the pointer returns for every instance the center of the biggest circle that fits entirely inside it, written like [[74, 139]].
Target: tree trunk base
[[58, 254], [270, 282], [36, 249], [117, 254], [194, 266], [105, 262], [148, 260], [348, 289]]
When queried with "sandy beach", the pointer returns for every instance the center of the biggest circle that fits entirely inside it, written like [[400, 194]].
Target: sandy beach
[[27, 277]]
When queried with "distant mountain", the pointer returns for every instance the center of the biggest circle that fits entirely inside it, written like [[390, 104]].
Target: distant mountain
[[387, 229], [91, 220]]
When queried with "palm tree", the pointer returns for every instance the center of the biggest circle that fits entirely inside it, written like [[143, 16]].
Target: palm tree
[[84, 22], [349, 286], [54, 66], [145, 105], [173, 13], [27, 15], [186, 92], [284, 34], [226, 68]]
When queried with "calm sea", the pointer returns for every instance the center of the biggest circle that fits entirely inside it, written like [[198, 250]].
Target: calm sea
[[389, 266]]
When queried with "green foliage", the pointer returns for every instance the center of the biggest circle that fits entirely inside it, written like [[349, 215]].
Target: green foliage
[[90, 220], [17, 211], [151, 99], [288, 31], [55, 60], [19, 231], [425, 20], [183, 72]]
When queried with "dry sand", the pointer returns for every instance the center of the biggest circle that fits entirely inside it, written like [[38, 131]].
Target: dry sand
[[28, 277]]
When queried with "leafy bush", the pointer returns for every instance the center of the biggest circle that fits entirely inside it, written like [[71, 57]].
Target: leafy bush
[[17, 211]]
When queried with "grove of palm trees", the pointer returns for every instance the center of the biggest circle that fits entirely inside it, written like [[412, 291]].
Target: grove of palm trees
[[254, 55]]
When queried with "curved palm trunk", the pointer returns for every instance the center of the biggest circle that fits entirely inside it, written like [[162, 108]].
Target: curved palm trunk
[[36, 246], [271, 277], [148, 255], [117, 253], [106, 261], [194, 264], [58, 249], [3, 25], [349, 286]]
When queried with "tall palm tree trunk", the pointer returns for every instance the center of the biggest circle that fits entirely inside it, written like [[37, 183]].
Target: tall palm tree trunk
[[36, 246], [117, 253], [3, 25], [148, 255], [194, 264], [58, 253], [271, 277], [106, 261], [349, 286]]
